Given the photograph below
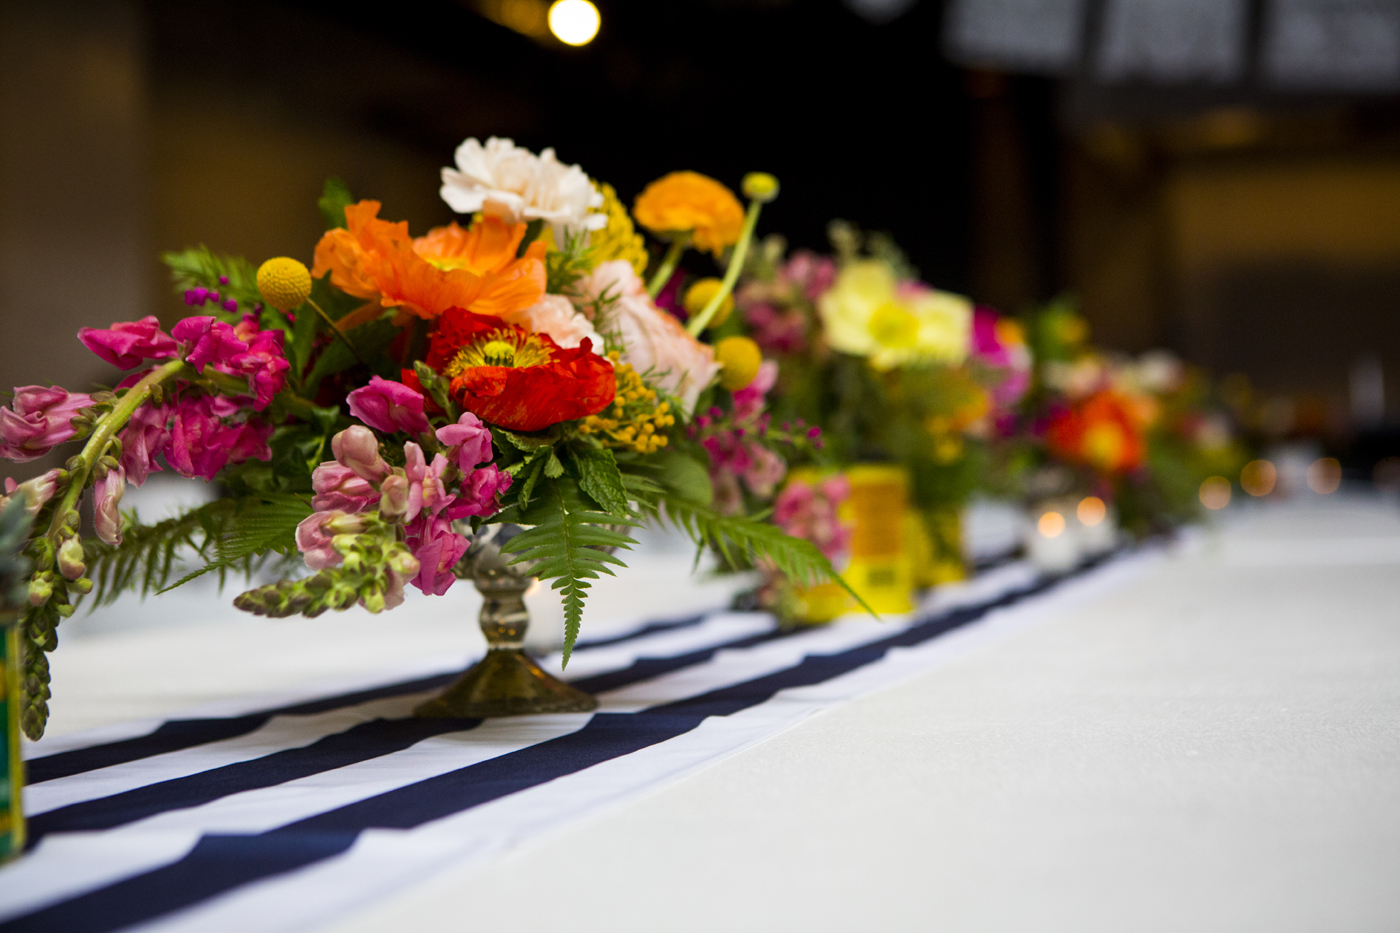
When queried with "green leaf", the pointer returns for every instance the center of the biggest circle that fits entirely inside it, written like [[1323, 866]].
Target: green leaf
[[685, 478], [335, 197], [437, 388], [201, 266], [566, 545], [532, 476], [527, 442], [599, 476], [553, 467]]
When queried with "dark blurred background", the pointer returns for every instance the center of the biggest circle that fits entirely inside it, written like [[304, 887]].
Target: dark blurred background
[[1220, 177]]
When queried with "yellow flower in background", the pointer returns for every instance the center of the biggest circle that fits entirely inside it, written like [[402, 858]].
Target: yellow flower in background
[[867, 312], [619, 239], [688, 201]]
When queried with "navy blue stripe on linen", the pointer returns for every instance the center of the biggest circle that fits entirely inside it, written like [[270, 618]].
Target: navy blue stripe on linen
[[178, 734], [220, 863], [361, 742]]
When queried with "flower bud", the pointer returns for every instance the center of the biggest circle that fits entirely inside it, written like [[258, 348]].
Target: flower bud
[[373, 599], [40, 589], [760, 186], [394, 493], [82, 585], [403, 562], [358, 449], [70, 559], [347, 525]]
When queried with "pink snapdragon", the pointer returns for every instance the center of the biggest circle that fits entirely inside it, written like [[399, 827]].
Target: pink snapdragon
[[39, 419], [468, 442], [198, 436], [208, 339], [128, 343], [438, 549], [358, 449], [389, 407], [479, 491], [340, 488], [426, 493], [107, 498], [244, 350], [36, 492], [314, 540], [144, 436]]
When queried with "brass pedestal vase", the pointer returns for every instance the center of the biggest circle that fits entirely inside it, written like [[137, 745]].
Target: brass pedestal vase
[[507, 682]]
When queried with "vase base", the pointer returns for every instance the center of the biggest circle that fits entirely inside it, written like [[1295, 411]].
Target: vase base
[[507, 682]]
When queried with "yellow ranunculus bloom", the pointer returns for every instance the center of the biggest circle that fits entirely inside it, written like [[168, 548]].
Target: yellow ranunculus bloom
[[689, 201], [867, 313]]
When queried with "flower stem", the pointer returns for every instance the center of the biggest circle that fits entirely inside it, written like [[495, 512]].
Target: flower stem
[[668, 264], [97, 444], [731, 275], [337, 331]]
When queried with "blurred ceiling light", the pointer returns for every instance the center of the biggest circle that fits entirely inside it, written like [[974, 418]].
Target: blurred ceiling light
[[574, 22], [1324, 475], [1051, 524], [1215, 493], [527, 17], [1258, 477], [1091, 511], [880, 11]]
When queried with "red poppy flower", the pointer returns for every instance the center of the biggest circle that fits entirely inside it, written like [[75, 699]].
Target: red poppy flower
[[1102, 432], [510, 376]]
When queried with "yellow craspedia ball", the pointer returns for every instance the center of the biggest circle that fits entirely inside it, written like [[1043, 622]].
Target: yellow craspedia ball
[[739, 359], [699, 295], [760, 186], [284, 283]]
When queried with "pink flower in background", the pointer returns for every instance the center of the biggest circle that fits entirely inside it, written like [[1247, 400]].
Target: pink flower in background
[[144, 436], [749, 401], [339, 488], [127, 343], [809, 511], [389, 407], [247, 441], [426, 494], [777, 331], [996, 344], [265, 364], [766, 471], [438, 549], [197, 436], [209, 340], [477, 495], [39, 419], [809, 273], [468, 442], [358, 449], [107, 516], [36, 492]]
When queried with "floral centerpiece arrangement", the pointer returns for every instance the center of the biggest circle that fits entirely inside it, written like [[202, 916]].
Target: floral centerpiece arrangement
[[895, 372], [366, 417]]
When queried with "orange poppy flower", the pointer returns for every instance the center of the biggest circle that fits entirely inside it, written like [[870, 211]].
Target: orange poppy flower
[[449, 268], [684, 201], [1102, 432], [512, 377]]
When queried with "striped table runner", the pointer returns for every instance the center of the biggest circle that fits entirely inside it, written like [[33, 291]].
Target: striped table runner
[[282, 818]]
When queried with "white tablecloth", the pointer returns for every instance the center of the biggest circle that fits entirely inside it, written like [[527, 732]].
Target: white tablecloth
[[1213, 746]]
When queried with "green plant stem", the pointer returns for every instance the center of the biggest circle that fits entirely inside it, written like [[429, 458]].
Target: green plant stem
[[668, 264], [290, 402], [731, 275], [97, 444], [338, 332]]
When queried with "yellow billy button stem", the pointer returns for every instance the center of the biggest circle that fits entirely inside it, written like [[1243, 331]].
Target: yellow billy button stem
[[759, 188], [284, 283], [698, 296], [739, 359]]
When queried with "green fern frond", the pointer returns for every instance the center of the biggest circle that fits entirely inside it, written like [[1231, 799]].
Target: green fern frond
[[566, 544]]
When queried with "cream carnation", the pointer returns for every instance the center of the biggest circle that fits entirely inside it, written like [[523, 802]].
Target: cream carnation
[[654, 343], [516, 185], [555, 315]]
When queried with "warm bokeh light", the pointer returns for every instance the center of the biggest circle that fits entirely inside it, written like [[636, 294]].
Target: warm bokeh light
[[1258, 477], [1091, 511], [574, 22], [1386, 475], [1051, 524], [1215, 492], [1324, 475]]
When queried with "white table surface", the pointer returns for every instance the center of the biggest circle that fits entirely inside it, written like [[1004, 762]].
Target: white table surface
[[1214, 746]]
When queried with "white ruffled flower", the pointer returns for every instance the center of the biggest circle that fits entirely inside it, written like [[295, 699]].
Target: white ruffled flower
[[555, 315], [518, 186]]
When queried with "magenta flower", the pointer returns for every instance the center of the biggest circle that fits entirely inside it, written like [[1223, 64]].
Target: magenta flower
[[197, 436], [40, 419], [358, 449], [265, 364], [477, 495], [426, 493], [107, 516], [438, 549], [777, 331], [810, 273], [209, 340], [468, 442], [126, 343], [389, 406], [36, 492], [248, 441], [339, 488], [314, 540], [749, 401], [144, 436], [809, 511]]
